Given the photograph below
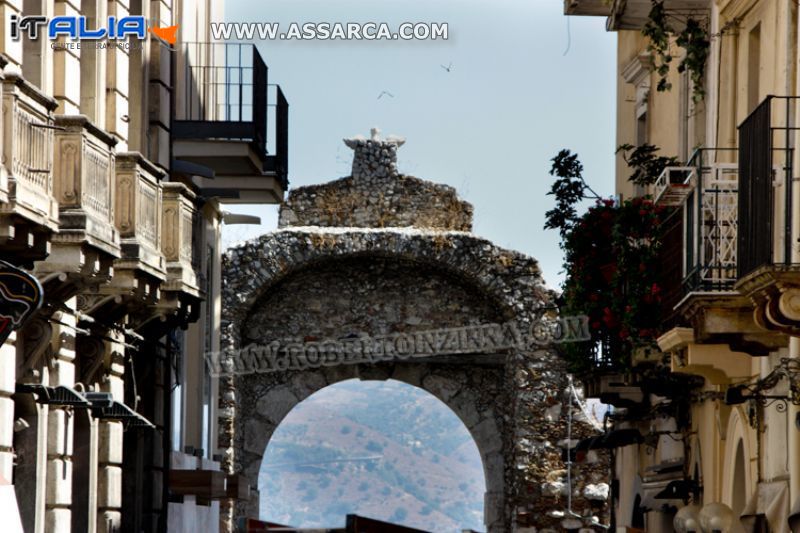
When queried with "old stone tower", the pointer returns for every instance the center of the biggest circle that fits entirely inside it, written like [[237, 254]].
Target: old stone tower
[[377, 254]]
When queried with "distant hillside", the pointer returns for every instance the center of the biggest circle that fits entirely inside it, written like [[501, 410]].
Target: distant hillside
[[380, 449]]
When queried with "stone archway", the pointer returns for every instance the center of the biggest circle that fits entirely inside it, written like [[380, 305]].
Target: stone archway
[[453, 389], [379, 253]]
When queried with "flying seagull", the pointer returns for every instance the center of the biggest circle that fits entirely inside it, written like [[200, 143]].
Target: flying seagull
[[448, 67], [387, 93]]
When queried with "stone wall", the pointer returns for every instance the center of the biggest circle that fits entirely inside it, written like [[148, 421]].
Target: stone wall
[[376, 195], [405, 201]]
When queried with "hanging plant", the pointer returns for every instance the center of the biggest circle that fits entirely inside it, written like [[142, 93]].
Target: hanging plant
[[656, 29], [692, 38]]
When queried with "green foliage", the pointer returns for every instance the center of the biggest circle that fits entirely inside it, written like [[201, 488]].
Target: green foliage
[[656, 29], [569, 188], [692, 38], [644, 162]]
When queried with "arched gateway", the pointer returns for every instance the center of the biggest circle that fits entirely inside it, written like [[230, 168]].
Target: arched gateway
[[377, 276]]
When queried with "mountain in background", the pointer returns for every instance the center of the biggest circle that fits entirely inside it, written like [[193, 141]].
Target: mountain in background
[[385, 450]]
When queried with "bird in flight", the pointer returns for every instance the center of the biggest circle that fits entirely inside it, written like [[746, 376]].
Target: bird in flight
[[448, 67], [387, 93]]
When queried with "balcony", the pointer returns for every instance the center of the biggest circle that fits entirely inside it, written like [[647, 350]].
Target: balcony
[[84, 183], [181, 244], [590, 8], [632, 14], [141, 267], [28, 209], [708, 200], [768, 247], [230, 120]]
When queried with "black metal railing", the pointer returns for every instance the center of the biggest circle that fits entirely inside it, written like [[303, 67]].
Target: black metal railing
[[225, 96], [767, 185], [711, 222], [279, 163], [670, 262]]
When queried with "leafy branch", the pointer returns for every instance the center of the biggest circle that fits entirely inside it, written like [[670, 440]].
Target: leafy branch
[[646, 165], [693, 38], [569, 188]]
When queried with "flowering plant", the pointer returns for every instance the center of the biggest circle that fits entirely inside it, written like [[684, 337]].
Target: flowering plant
[[612, 264]]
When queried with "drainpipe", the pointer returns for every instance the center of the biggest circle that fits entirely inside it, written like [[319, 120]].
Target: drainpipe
[[794, 220], [712, 73]]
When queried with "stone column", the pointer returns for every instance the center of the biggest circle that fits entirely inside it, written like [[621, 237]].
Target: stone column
[[117, 76], [67, 63], [109, 486], [160, 87], [60, 425]]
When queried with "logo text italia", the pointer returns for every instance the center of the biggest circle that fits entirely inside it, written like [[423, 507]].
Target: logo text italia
[[77, 28]]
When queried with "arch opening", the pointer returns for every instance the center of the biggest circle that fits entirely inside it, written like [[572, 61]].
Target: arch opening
[[382, 449]]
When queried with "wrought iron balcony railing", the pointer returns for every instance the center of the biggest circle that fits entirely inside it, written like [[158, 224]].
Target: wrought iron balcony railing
[[226, 96], [706, 191], [768, 185], [711, 217]]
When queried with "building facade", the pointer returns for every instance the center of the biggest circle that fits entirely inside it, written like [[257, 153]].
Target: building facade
[[117, 162], [730, 332]]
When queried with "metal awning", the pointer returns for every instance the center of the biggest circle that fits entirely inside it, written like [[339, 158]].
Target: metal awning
[[104, 407], [652, 492], [60, 395]]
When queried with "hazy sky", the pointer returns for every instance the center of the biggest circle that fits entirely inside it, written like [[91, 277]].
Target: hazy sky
[[512, 99]]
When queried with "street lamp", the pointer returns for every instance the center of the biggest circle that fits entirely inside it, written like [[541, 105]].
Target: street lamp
[[716, 517], [687, 519]]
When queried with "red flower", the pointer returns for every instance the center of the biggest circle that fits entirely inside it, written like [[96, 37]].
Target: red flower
[[655, 289]]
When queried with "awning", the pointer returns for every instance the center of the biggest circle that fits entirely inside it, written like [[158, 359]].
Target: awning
[[652, 495], [771, 501]]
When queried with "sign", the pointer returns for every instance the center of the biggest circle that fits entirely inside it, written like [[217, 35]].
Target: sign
[[20, 296]]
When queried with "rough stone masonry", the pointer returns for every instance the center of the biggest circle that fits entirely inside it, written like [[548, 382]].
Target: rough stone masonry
[[380, 253]]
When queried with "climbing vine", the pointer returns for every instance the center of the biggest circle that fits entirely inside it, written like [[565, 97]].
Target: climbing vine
[[693, 38]]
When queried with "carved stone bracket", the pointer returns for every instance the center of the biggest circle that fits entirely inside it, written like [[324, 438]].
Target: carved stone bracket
[[775, 293]]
